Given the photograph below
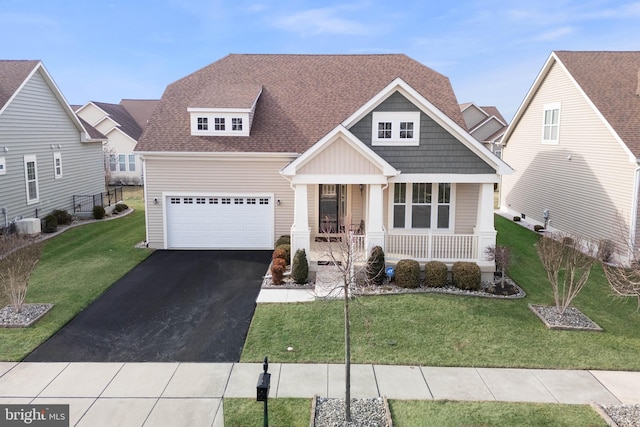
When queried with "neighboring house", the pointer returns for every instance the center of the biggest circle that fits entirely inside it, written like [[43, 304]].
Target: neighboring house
[[122, 124], [252, 147], [47, 154], [575, 146], [485, 124]]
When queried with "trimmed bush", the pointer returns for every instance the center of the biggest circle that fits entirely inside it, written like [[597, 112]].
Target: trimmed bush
[[300, 267], [466, 275], [375, 267], [63, 217], [98, 212], [278, 266], [538, 227], [283, 240], [279, 253], [516, 218], [407, 273], [435, 274], [287, 252], [121, 207], [50, 224]]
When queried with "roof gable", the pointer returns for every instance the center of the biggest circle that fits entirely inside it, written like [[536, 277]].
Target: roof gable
[[609, 82]]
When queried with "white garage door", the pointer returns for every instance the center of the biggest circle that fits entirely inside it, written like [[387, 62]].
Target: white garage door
[[220, 222]]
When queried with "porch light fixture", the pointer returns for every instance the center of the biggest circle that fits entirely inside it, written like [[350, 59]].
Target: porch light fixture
[[155, 201], [278, 202]]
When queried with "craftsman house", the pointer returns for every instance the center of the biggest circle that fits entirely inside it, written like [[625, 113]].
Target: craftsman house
[[252, 147]]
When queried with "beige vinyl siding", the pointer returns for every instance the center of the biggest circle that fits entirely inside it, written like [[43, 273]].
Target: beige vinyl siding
[[586, 180], [339, 158], [33, 121], [191, 174], [92, 115], [466, 208]]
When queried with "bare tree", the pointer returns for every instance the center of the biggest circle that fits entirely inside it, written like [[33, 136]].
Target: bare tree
[[344, 253], [501, 255], [108, 154], [624, 281], [568, 261], [18, 259]]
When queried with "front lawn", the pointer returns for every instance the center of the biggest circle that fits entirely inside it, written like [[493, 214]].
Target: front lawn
[[297, 412], [76, 267], [447, 330]]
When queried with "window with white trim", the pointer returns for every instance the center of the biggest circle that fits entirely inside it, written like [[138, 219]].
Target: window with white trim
[[236, 123], [218, 123], [395, 128], [31, 179], [122, 163], [57, 165], [203, 123], [422, 206], [551, 124], [132, 162], [112, 162]]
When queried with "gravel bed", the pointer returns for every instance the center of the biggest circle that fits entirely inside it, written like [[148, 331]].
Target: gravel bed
[[623, 415], [364, 413], [571, 319], [29, 315]]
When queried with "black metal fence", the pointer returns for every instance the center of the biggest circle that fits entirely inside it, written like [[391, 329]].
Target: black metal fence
[[87, 203]]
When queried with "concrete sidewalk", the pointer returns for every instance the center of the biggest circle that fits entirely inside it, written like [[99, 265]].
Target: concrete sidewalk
[[191, 394]]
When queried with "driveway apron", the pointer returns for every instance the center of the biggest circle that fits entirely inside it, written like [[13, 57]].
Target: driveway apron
[[176, 306]]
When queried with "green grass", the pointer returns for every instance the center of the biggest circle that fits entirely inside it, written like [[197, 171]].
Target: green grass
[[297, 412], [447, 330], [282, 412], [446, 413], [76, 267]]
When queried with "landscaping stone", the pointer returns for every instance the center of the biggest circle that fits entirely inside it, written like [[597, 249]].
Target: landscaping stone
[[622, 415], [29, 315], [372, 412], [572, 318]]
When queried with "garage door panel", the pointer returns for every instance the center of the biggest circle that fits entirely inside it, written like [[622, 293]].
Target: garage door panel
[[216, 222]]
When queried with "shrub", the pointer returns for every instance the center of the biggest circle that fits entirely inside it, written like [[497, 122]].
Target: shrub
[[121, 207], [63, 217], [277, 271], [279, 253], [287, 252], [408, 273], [606, 249], [435, 274], [375, 267], [516, 218], [98, 212], [50, 224], [538, 227], [466, 275], [300, 267], [283, 240]]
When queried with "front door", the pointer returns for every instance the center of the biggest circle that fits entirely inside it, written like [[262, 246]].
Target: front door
[[333, 207]]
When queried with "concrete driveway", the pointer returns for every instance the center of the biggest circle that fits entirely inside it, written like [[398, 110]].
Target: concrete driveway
[[176, 306]]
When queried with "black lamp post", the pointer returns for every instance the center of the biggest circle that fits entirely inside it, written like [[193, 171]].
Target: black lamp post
[[262, 389]]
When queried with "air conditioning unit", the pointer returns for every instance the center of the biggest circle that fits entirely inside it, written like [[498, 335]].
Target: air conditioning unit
[[29, 226]]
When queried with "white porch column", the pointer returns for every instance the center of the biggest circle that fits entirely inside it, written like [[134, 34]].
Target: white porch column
[[485, 229], [375, 226], [300, 231]]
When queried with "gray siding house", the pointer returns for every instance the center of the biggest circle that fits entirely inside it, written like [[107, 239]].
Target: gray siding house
[[47, 154]]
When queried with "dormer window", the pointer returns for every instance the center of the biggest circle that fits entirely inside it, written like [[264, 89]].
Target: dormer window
[[395, 128], [219, 123], [203, 123], [236, 124]]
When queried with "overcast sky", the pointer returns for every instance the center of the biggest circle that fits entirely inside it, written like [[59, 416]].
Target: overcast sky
[[491, 50]]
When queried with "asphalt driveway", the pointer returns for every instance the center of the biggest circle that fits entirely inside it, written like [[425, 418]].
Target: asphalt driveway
[[176, 306]]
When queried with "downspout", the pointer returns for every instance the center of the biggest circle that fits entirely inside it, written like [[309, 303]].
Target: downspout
[[634, 210]]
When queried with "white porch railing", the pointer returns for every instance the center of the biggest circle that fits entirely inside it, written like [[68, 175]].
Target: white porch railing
[[424, 247]]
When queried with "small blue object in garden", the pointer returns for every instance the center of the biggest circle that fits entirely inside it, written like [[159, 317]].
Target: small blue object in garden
[[390, 272]]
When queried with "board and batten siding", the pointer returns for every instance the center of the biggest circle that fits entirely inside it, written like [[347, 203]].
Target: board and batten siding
[[179, 175], [339, 158], [466, 208], [586, 180], [33, 122]]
